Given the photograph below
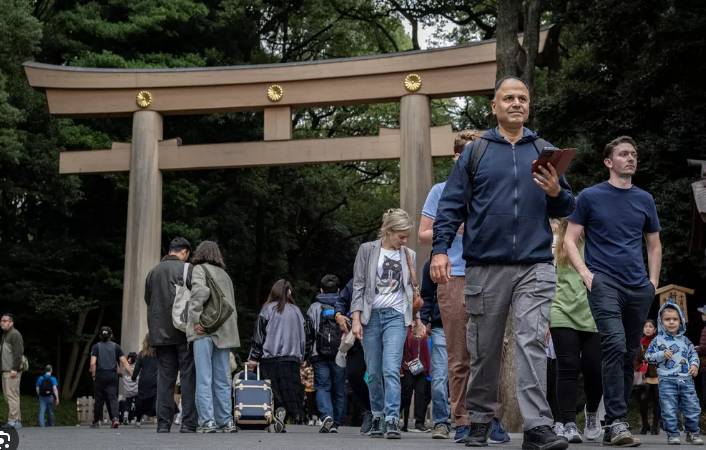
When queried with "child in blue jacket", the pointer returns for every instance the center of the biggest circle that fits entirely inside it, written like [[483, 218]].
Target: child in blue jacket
[[677, 364]]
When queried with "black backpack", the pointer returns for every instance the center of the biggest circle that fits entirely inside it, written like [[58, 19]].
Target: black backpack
[[46, 388], [328, 336]]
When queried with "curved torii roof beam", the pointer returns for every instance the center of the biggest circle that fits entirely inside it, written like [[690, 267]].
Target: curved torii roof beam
[[446, 72]]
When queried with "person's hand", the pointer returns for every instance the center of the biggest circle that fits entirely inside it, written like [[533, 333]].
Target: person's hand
[[418, 329], [56, 401], [655, 283], [199, 329], [342, 322], [13, 374], [587, 278], [693, 370], [440, 268], [548, 180], [667, 354], [357, 329], [251, 365]]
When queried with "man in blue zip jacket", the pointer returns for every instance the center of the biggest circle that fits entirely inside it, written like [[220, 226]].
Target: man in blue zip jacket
[[507, 248]]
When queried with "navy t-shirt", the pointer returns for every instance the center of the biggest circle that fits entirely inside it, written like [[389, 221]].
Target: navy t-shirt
[[614, 221], [107, 355]]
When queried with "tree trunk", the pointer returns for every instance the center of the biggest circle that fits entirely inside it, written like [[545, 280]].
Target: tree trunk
[[530, 42], [73, 356], [508, 48]]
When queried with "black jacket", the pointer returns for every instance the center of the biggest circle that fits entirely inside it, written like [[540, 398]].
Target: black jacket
[[430, 311], [160, 289], [146, 369]]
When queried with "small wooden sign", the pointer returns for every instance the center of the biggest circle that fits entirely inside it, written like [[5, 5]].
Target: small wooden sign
[[677, 294]]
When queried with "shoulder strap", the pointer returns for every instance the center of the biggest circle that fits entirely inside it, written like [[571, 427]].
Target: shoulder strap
[[477, 149], [186, 273], [412, 271], [539, 145]]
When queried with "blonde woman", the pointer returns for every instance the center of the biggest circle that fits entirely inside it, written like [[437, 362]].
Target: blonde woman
[[382, 311], [577, 346]]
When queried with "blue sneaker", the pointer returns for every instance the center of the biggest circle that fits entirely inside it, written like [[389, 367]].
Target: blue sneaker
[[461, 434], [498, 435]]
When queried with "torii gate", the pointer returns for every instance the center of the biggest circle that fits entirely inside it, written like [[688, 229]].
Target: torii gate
[[411, 78]]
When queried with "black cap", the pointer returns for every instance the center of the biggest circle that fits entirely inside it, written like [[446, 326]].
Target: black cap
[[179, 243]]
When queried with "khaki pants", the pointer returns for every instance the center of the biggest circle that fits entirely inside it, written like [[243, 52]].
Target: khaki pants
[[11, 389], [453, 315]]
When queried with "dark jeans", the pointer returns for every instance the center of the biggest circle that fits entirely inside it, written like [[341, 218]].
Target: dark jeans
[[620, 312], [422, 394], [173, 359], [355, 373], [576, 350], [106, 392]]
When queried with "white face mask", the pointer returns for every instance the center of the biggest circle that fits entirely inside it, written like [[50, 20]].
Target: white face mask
[[48, 374]]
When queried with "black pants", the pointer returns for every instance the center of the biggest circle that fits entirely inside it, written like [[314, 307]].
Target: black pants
[[287, 388], [172, 359], [105, 392], [146, 407], [355, 373], [649, 393], [421, 387], [576, 350]]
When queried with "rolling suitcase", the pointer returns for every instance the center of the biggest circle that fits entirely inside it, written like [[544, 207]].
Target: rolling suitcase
[[252, 401]]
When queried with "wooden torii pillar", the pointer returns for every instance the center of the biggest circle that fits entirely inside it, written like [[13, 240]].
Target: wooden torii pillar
[[412, 78]]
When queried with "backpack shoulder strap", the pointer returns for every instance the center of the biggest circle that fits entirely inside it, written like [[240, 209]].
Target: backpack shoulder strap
[[539, 145], [477, 149], [186, 273]]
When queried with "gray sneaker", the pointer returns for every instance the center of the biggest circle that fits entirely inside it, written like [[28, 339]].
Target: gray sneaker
[[558, 429], [571, 433], [673, 440], [694, 439], [229, 427], [592, 430], [208, 427], [326, 425], [441, 431], [392, 430], [618, 434], [280, 417]]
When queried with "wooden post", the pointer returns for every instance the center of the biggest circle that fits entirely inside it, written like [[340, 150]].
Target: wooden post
[[415, 163], [144, 225], [278, 123]]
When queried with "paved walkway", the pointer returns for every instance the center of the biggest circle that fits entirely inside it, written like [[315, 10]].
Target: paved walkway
[[296, 438]]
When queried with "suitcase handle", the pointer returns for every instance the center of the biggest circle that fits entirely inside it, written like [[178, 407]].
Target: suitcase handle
[[247, 369]]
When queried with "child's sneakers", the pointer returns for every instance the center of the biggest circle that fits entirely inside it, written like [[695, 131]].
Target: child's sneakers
[[673, 440], [694, 439]]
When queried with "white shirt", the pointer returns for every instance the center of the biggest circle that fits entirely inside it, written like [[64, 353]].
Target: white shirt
[[389, 290]]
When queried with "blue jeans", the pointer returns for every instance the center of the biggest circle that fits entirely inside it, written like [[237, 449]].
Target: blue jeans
[[213, 389], [439, 377], [677, 394], [620, 312], [383, 343], [330, 385], [46, 404]]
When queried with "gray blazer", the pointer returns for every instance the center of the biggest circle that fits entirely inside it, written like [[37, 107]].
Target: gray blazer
[[227, 335], [364, 275]]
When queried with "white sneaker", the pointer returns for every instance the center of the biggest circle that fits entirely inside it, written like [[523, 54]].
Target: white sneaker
[[673, 440], [592, 430], [694, 439], [571, 433], [558, 429]]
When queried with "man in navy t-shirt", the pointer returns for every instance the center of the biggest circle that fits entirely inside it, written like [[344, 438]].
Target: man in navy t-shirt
[[615, 216]]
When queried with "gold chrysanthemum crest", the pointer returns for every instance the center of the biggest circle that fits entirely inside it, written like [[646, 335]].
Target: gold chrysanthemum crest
[[143, 99], [413, 82], [275, 92]]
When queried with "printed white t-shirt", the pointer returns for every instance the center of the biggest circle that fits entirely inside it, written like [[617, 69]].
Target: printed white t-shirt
[[389, 290]]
